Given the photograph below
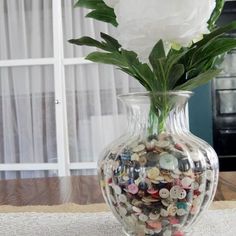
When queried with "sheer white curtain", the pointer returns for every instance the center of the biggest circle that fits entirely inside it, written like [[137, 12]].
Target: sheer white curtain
[[27, 109], [95, 116]]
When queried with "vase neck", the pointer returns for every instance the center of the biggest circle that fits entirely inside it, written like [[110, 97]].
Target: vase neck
[[150, 114]]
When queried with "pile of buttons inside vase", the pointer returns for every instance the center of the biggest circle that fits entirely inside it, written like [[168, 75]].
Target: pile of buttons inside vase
[[157, 186]]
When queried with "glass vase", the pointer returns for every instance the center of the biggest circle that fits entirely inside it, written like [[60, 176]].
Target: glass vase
[[158, 178]]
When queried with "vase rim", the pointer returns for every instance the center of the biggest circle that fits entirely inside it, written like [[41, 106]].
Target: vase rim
[[183, 93]]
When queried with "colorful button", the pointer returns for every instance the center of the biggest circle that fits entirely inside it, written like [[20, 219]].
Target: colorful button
[[154, 224], [133, 188], [172, 209], [153, 173]]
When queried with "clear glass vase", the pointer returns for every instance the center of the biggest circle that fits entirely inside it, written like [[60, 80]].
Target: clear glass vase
[[158, 178]]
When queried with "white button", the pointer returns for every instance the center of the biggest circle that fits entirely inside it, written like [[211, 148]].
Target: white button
[[143, 217], [136, 209], [181, 212], [168, 162], [153, 216], [164, 213], [164, 193], [182, 194], [186, 182], [174, 192]]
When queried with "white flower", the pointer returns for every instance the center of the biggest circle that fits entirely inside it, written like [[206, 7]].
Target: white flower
[[142, 23], [111, 3]]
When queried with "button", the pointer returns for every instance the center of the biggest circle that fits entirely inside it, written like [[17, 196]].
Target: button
[[143, 186], [181, 205], [142, 161], [136, 209], [166, 202], [162, 143], [153, 173], [125, 178], [168, 162], [133, 188], [186, 182], [182, 194], [174, 192], [172, 209], [143, 218], [155, 224], [139, 148], [135, 157], [184, 165], [173, 221], [164, 213], [164, 193], [117, 189], [152, 191], [153, 216], [181, 212]]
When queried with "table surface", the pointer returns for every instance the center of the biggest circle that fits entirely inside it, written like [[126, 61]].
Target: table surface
[[78, 189]]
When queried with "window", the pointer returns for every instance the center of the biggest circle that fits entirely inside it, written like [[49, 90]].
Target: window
[[55, 106]]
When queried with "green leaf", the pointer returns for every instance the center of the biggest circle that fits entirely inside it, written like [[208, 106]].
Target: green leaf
[[105, 14], [216, 33], [112, 43], [87, 41], [216, 13], [157, 59], [158, 51], [216, 48], [140, 70], [199, 80], [176, 73], [90, 4], [107, 58]]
